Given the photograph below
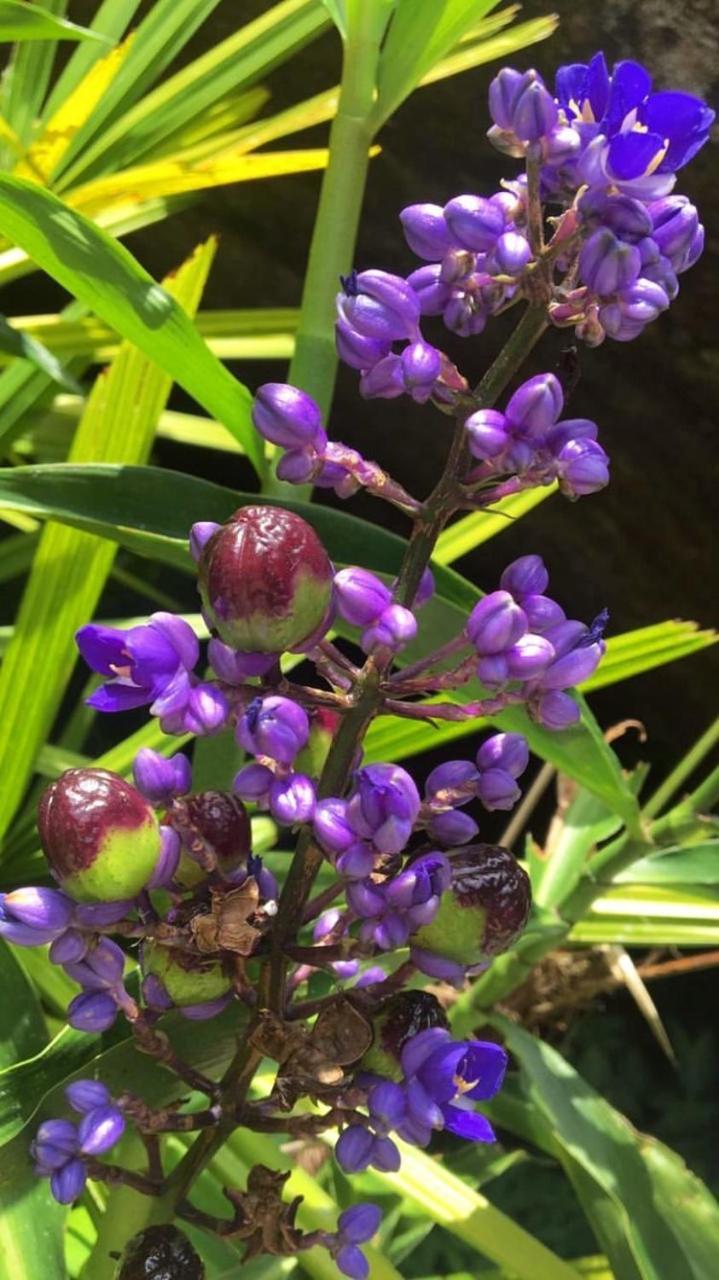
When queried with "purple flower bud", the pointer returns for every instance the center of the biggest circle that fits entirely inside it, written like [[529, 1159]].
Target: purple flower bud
[[361, 597], [570, 429], [352, 1262], [353, 1150], [356, 863], [437, 966], [627, 218], [385, 806], [607, 264], [383, 307], [525, 576], [292, 800], [168, 861], [206, 712], [675, 222], [384, 381], [287, 416], [561, 145], [102, 966], [68, 1182], [504, 90], [253, 783], [421, 366], [55, 1141], [694, 252], [534, 111], [507, 751], [21, 935], [556, 710], [332, 826], [155, 994], [200, 533], [573, 667], [452, 828], [451, 776], [466, 315], [95, 915], [426, 231], [536, 405], [69, 947], [158, 779], [542, 612], [511, 254], [475, 223], [365, 899], [583, 468], [360, 1222], [92, 1011], [432, 291], [205, 1009], [493, 670], [274, 727], [235, 667], [326, 924], [528, 657], [42, 909], [495, 623], [298, 466], [387, 1105], [425, 590], [395, 628], [87, 1095], [100, 1129], [356, 350], [385, 1155], [487, 432], [497, 789]]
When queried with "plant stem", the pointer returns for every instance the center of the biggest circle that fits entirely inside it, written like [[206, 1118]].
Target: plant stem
[[314, 364], [686, 766]]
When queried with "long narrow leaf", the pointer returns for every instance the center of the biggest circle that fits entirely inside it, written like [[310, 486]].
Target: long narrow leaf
[[20, 20], [105, 276]]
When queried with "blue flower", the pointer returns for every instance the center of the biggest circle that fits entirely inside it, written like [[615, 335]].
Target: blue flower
[[444, 1076], [146, 664], [633, 138]]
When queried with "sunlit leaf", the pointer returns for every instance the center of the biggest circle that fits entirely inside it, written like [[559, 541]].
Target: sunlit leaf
[[20, 20]]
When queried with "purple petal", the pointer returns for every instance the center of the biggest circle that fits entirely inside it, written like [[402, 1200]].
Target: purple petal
[[468, 1124], [68, 1183], [100, 1129], [631, 155], [119, 696], [103, 648]]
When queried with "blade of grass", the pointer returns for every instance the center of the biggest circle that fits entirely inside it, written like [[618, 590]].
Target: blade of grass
[[27, 76], [70, 567], [471, 531], [111, 21]]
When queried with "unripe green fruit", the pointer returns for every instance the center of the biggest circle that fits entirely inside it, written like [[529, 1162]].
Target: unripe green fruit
[[222, 821], [483, 911], [187, 979], [265, 580], [402, 1016], [99, 835]]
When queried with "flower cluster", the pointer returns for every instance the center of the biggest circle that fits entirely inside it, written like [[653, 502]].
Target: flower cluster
[[173, 869], [61, 1149]]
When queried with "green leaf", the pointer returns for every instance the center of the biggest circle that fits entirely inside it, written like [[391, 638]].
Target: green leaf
[[421, 34], [231, 64], [110, 23], [692, 864], [670, 1222], [682, 915], [337, 10], [71, 567], [20, 20], [104, 275], [31, 1221], [25, 79], [16, 343]]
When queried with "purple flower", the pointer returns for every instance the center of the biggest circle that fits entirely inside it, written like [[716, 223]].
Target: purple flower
[[200, 533], [361, 596], [33, 916], [495, 623], [87, 1095], [292, 800], [145, 665], [426, 231], [393, 629], [607, 264], [234, 667], [100, 1129], [354, 1227], [384, 806], [274, 727], [443, 1075], [92, 1011], [508, 751], [253, 783], [452, 828], [475, 223], [380, 306], [160, 779], [332, 825]]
